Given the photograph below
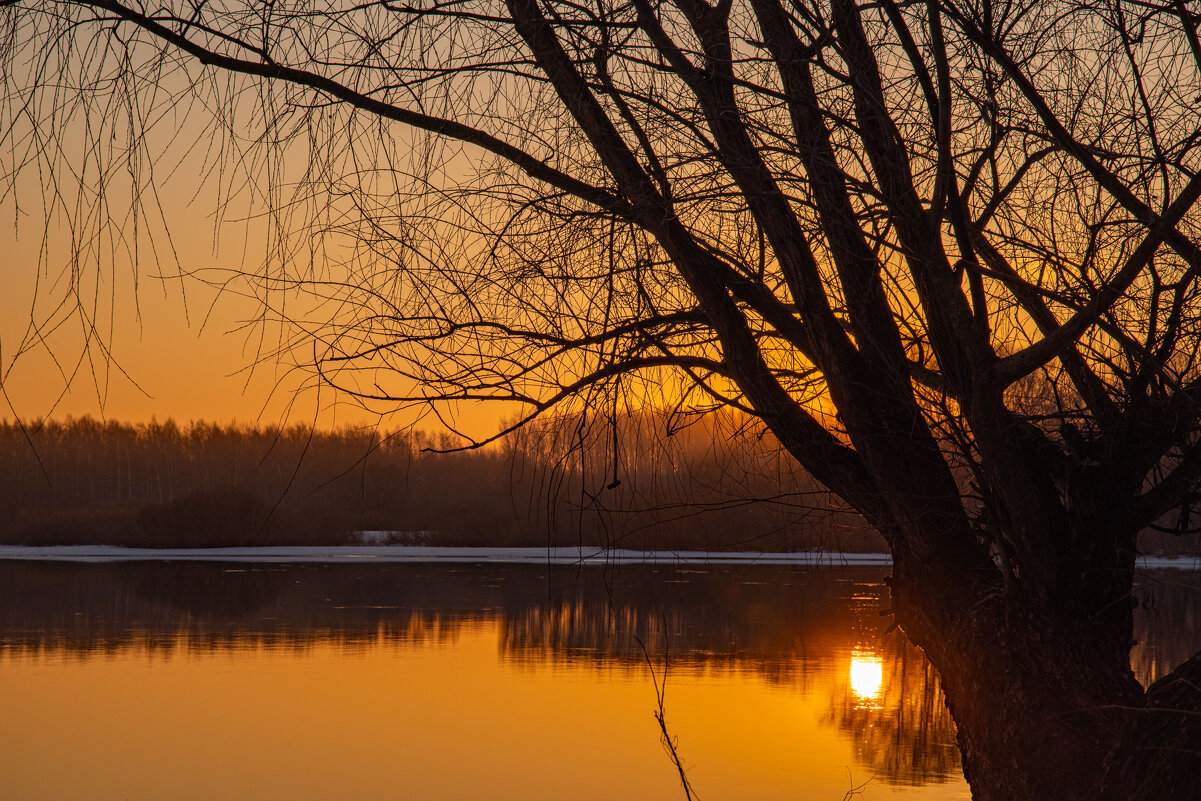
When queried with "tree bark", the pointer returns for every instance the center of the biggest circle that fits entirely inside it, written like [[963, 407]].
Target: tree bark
[[1159, 753], [1046, 709]]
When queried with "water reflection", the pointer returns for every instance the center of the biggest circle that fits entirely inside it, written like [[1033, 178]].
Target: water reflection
[[810, 635], [1167, 622], [867, 677], [897, 720]]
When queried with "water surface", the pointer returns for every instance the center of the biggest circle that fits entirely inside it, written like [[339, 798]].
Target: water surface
[[392, 681]]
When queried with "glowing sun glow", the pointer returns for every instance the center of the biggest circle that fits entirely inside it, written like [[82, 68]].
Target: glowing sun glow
[[867, 676]]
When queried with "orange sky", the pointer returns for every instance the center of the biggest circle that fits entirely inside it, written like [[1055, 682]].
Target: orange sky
[[178, 363], [179, 349]]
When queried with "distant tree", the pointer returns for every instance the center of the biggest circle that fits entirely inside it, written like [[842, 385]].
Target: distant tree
[[946, 252]]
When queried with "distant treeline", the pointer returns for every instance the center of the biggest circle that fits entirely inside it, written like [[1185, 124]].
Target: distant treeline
[[641, 481], [637, 482]]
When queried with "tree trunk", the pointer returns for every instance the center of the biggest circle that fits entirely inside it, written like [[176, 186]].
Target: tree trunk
[[1159, 753], [1045, 710], [1036, 719]]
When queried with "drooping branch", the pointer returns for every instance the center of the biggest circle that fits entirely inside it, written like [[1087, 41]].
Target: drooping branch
[[267, 69]]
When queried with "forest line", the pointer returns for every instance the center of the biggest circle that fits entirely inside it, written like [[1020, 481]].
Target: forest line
[[708, 485], [644, 481]]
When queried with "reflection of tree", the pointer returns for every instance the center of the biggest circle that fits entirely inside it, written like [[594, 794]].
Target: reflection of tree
[[905, 733], [783, 624], [773, 620], [1168, 623]]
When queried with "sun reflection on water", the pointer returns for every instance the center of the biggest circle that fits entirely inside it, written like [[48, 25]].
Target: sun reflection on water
[[867, 679]]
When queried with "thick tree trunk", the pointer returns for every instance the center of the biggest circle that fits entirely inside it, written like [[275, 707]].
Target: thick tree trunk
[[1159, 754], [1046, 709], [1036, 717]]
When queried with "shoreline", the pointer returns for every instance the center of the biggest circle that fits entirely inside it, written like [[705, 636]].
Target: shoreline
[[418, 554]]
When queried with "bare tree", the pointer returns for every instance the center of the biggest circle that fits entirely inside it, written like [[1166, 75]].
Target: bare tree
[[946, 252]]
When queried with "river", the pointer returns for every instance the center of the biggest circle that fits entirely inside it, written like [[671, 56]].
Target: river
[[168, 680]]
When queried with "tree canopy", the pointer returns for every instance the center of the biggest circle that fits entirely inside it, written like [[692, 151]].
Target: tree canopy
[[947, 252]]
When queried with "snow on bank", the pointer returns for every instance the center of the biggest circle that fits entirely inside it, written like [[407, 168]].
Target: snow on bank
[[1170, 562], [512, 556], [426, 554]]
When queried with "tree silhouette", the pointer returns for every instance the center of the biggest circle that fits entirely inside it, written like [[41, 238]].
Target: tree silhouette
[[946, 252]]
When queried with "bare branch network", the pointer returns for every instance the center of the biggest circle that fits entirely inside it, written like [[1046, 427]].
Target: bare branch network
[[947, 252]]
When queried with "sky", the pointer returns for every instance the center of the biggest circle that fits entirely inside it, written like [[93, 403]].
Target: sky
[[88, 325], [174, 347], [119, 334], [94, 316], [162, 346]]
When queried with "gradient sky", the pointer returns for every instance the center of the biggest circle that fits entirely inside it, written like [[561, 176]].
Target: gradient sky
[[175, 352], [178, 348]]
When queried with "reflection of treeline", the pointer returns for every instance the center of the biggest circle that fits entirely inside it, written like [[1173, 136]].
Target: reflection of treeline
[[782, 623], [635, 483], [745, 616]]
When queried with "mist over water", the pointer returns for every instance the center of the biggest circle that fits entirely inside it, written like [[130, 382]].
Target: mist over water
[[189, 679]]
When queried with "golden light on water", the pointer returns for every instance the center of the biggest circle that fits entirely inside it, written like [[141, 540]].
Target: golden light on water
[[378, 694], [405, 712], [867, 678]]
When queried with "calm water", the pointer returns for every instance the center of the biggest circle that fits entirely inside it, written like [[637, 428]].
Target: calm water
[[221, 681]]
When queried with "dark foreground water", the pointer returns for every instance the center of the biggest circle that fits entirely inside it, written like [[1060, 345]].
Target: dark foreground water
[[374, 681]]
